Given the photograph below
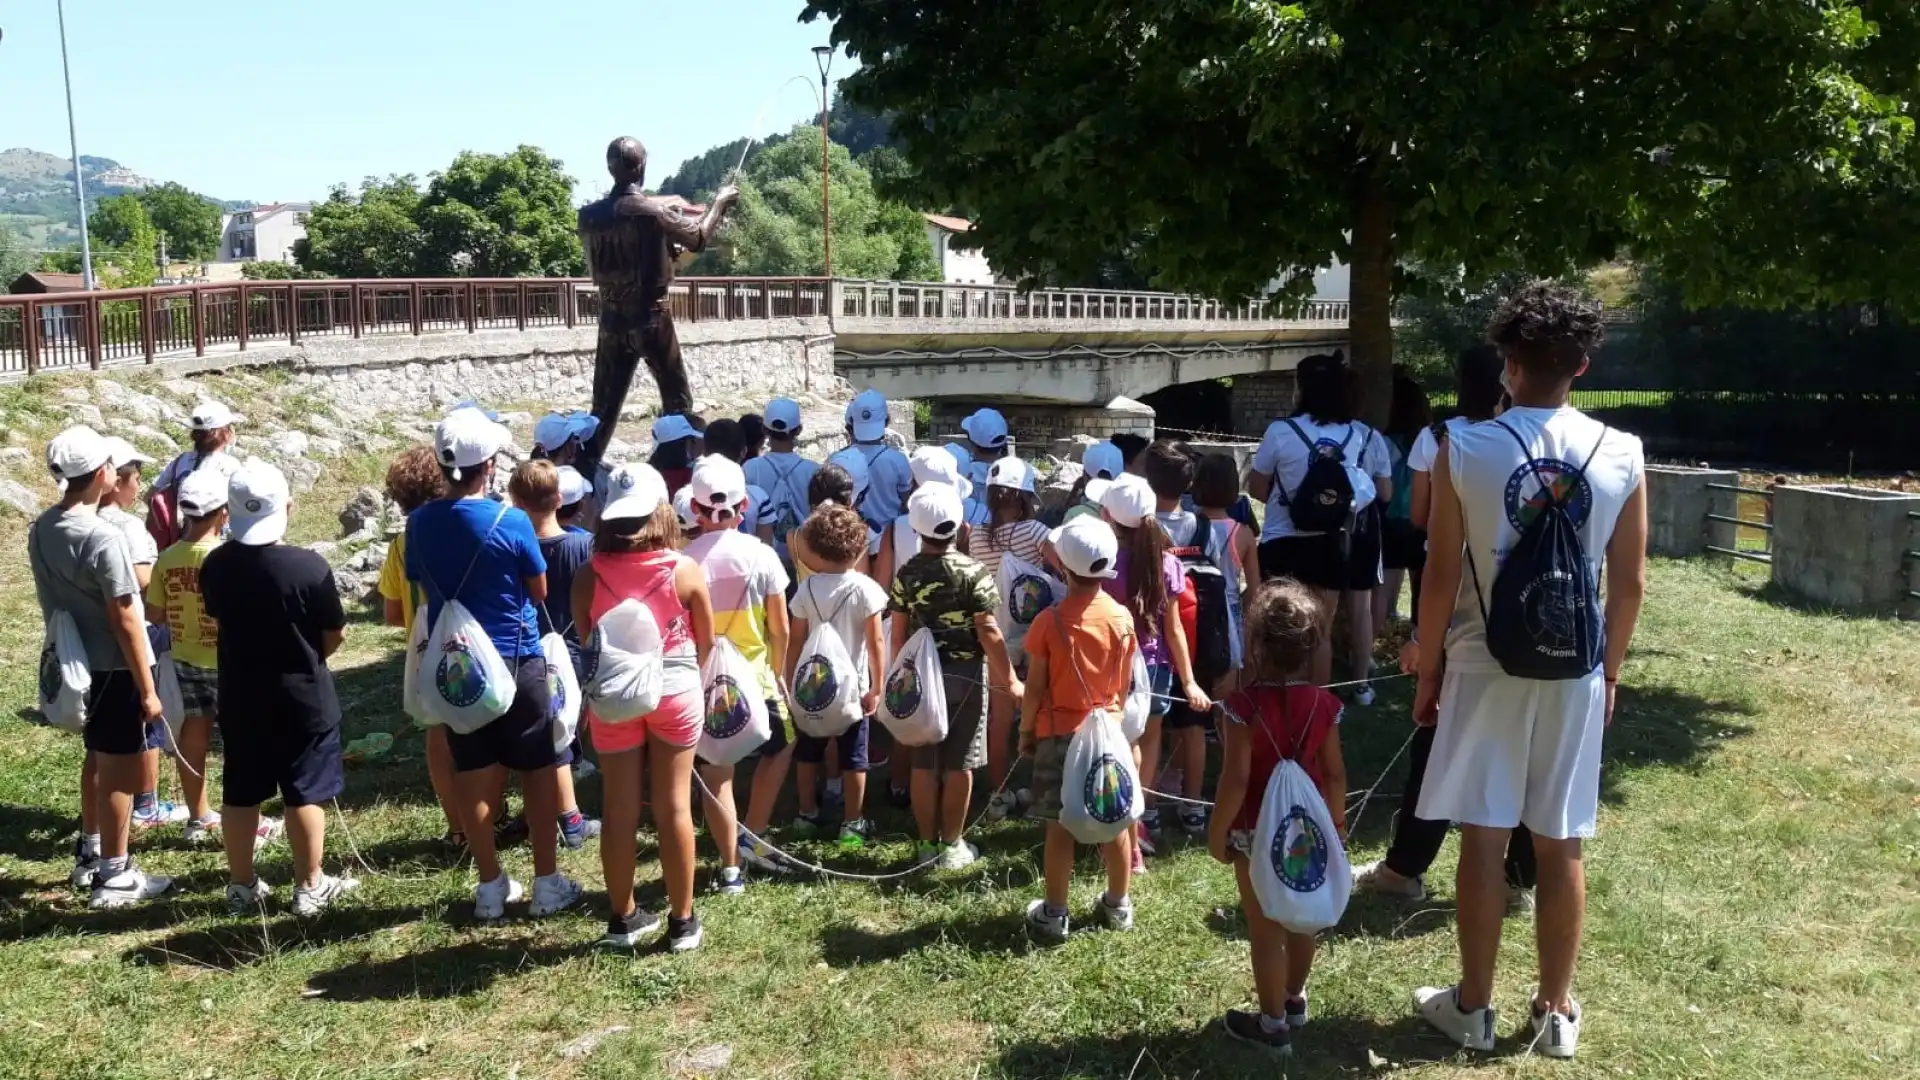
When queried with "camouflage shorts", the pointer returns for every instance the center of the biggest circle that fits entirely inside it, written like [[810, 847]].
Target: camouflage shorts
[[1049, 761]]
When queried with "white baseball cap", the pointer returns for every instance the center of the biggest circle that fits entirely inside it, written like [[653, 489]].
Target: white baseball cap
[[672, 428], [782, 416], [986, 427], [1103, 461], [683, 509], [635, 491], [934, 465], [257, 499], [1087, 547], [211, 416], [474, 406], [1128, 500], [573, 486], [466, 439], [202, 492], [78, 451], [553, 431], [856, 465], [935, 512], [867, 415], [123, 453], [719, 485], [1011, 472]]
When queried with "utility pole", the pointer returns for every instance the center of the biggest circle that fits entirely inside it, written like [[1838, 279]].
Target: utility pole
[[823, 56], [73, 141]]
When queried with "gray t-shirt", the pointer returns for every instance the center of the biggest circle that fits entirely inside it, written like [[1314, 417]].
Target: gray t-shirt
[[79, 563]]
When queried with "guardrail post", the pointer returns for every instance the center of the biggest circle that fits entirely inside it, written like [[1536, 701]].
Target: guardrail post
[[520, 306], [568, 299], [199, 322], [473, 306], [293, 314], [353, 301], [146, 325], [93, 333], [30, 329], [413, 302]]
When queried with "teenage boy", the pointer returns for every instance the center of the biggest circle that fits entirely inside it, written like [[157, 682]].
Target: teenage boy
[[986, 443], [748, 587], [278, 618], [484, 553], [1512, 751], [953, 595], [889, 476], [783, 474], [80, 565], [1078, 655]]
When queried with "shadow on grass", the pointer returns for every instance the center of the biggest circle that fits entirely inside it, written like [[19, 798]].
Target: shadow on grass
[[243, 940], [845, 946], [36, 834], [1659, 727], [1768, 592], [197, 895], [1327, 1045], [446, 972]]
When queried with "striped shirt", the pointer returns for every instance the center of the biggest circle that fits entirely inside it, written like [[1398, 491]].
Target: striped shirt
[[1023, 539]]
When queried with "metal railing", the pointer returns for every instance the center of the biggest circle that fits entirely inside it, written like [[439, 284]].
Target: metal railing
[[922, 300], [1765, 553]]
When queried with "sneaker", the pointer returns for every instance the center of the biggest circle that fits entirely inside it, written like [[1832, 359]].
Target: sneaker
[[553, 894], [761, 856], [128, 887], [1556, 1034], [625, 931], [85, 869], [1139, 861], [490, 898], [1377, 878], [310, 902], [683, 935], [1150, 821], [1116, 916], [204, 832], [247, 899], [1003, 805], [582, 769], [959, 855], [576, 829], [1048, 928], [1440, 1006], [1194, 822], [1364, 696], [1248, 1027], [1520, 901], [1143, 834], [855, 834], [267, 832], [805, 826], [509, 831], [159, 814], [1297, 1014], [925, 852], [731, 881]]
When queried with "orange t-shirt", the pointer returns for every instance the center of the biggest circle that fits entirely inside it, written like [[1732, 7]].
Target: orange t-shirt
[[1097, 643]]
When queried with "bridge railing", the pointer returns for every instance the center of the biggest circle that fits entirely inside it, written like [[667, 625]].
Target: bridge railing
[[1007, 303]]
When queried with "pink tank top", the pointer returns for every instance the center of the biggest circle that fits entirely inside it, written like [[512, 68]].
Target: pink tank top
[[647, 576]]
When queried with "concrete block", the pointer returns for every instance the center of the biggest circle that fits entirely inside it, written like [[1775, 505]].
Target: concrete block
[[1678, 502], [1844, 547]]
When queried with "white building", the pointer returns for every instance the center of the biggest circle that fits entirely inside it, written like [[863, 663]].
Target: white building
[[958, 266], [264, 232]]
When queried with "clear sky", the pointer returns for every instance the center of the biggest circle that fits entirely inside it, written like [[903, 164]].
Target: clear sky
[[282, 99]]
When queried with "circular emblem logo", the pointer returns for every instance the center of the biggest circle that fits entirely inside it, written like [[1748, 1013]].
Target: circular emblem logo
[[1327, 448], [1553, 604], [1299, 853], [1532, 485], [627, 481], [458, 676], [556, 693], [1028, 597], [728, 710], [1108, 791], [49, 673], [903, 693], [253, 506], [815, 688]]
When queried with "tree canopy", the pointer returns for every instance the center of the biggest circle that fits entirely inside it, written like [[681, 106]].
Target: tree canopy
[[1757, 151], [125, 243], [190, 221]]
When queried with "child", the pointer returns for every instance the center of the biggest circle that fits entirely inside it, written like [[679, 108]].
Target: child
[[753, 428], [1169, 469], [676, 443], [954, 596], [841, 481], [1100, 461], [1216, 488], [783, 474], [889, 478], [1012, 529], [848, 600], [929, 465], [634, 559], [749, 590], [1079, 656], [1275, 716], [725, 438], [574, 489], [149, 810], [986, 442]]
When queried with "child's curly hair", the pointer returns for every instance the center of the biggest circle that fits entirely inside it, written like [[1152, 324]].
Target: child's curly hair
[[1283, 629], [414, 478], [836, 534]]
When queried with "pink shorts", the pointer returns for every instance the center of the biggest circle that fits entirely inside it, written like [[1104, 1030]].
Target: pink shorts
[[676, 722]]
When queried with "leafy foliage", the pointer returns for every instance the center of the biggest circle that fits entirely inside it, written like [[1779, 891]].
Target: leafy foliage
[[125, 243], [273, 270], [699, 177], [190, 221], [369, 234], [15, 259]]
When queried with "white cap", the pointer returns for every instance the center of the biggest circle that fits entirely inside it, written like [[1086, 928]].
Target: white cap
[[466, 439], [719, 485], [672, 428], [78, 451], [683, 509], [123, 453], [856, 465], [1128, 500], [634, 491], [934, 465], [552, 432], [867, 415], [782, 416], [986, 427], [935, 512], [1011, 472], [1087, 547], [211, 416], [257, 502], [202, 492], [471, 405], [573, 486], [1103, 461], [962, 456]]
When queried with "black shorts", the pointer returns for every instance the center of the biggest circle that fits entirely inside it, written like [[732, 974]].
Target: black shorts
[[114, 725], [1406, 545], [521, 738], [1319, 561], [302, 766], [809, 750], [1364, 569]]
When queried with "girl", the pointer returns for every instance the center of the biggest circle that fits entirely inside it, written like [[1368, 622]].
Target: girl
[[1276, 716], [1012, 528], [929, 465], [1404, 544], [1232, 548], [835, 483], [634, 558]]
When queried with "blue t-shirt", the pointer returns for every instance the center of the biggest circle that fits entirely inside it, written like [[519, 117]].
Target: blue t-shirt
[[889, 479], [442, 540], [565, 555]]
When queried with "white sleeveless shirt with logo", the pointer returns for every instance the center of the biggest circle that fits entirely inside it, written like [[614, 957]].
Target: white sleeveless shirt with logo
[[1499, 493]]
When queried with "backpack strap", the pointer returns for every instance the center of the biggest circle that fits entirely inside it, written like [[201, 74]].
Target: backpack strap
[[1286, 499], [478, 551]]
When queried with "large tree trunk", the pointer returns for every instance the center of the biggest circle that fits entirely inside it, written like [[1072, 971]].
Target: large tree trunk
[[1370, 322]]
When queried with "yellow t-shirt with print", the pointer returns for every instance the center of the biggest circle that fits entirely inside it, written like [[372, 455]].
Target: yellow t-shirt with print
[[175, 590], [394, 584]]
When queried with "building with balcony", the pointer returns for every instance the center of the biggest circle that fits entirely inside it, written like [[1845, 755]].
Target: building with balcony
[[265, 232]]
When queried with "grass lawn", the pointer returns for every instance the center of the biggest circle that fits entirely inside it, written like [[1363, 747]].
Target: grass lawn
[[1755, 913]]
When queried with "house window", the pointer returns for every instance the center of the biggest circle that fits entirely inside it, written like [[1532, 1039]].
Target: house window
[[243, 218]]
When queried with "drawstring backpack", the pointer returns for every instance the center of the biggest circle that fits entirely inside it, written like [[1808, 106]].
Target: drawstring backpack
[[1138, 706], [1100, 791], [471, 684], [563, 685], [734, 721], [1026, 590], [622, 661], [914, 704], [826, 681], [1298, 864], [65, 682]]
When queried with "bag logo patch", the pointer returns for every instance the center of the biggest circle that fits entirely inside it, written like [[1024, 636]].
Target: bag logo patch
[[1299, 853], [1553, 604], [1108, 790], [727, 708], [458, 676], [1028, 597], [1564, 484], [816, 687], [903, 693], [556, 693]]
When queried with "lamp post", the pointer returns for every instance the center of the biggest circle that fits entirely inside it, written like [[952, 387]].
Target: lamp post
[[823, 56], [73, 141]]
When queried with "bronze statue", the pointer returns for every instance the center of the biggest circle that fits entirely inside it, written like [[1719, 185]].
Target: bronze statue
[[632, 242]]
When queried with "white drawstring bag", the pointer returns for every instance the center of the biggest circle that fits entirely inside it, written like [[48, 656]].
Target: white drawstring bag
[[623, 678], [914, 704], [735, 721], [412, 699], [471, 685], [1298, 864], [1139, 702], [563, 690], [65, 680], [1026, 590], [1100, 792], [173, 704], [825, 683]]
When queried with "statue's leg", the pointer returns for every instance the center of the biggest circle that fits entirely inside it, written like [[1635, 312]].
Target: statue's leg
[[614, 361], [662, 348]]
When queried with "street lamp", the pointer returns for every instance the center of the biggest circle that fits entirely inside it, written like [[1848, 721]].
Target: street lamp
[[823, 56], [73, 141]]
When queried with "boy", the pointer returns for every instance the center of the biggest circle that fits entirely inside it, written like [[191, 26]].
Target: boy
[[1078, 656], [574, 489], [727, 439], [783, 474], [149, 811], [986, 443], [1169, 472], [1511, 751], [80, 565], [278, 616], [953, 595], [749, 591], [889, 476]]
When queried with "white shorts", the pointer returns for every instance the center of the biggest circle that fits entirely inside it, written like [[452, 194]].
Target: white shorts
[[1517, 751]]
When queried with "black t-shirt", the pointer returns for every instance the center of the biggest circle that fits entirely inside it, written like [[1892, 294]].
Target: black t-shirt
[[273, 603]]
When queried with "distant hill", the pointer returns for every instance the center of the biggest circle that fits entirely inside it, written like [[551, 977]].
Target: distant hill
[[36, 192]]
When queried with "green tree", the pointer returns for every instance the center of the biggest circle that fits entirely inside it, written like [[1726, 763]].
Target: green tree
[[15, 259], [500, 215], [369, 234], [189, 221], [777, 228], [126, 246], [698, 178], [272, 270], [1237, 146]]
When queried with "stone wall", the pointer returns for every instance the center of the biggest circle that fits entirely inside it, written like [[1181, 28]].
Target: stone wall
[[1258, 399], [1039, 426]]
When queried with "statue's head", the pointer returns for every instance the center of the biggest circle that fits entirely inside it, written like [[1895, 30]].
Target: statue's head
[[627, 160]]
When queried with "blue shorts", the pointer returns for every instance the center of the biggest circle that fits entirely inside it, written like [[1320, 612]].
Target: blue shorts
[[521, 739], [304, 768], [1160, 679], [808, 750]]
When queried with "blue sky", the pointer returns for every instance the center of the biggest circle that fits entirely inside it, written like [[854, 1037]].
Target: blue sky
[[281, 100]]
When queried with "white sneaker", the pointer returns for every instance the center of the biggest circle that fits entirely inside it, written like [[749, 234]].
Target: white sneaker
[[553, 894], [1003, 805], [310, 902], [267, 832], [247, 899], [204, 832], [1556, 1035], [1364, 696], [85, 867], [958, 856], [1048, 928], [1117, 917], [583, 769], [1520, 902], [490, 898], [1375, 877], [1440, 1006], [1298, 1012], [127, 888]]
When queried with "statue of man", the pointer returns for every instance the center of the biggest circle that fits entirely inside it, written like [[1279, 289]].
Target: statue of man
[[631, 242]]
